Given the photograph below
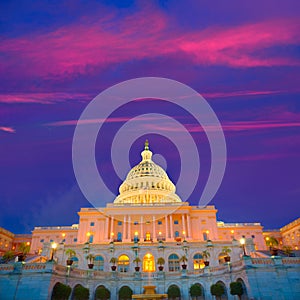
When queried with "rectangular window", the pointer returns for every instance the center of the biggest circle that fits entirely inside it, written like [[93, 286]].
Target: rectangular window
[[159, 222], [136, 223], [75, 240], [42, 240], [92, 224], [176, 222], [119, 222], [91, 239], [51, 241]]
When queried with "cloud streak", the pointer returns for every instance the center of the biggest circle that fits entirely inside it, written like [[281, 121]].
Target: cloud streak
[[84, 48], [7, 129]]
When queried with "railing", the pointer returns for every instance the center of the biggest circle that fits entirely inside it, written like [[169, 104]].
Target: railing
[[221, 224], [73, 227], [262, 261], [291, 261]]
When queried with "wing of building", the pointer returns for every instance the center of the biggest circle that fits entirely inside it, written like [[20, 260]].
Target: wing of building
[[149, 237]]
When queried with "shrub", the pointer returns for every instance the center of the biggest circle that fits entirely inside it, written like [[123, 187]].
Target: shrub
[[81, 293], [61, 292]]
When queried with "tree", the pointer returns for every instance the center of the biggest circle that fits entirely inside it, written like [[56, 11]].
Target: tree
[[195, 290], [217, 290], [173, 292], [288, 250], [271, 242], [8, 255], [102, 293], [125, 293], [61, 292], [81, 293], [70, 253], [236, 288]]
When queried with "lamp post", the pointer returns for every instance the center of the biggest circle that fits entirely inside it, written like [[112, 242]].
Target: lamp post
[[243, 242], [53, 247]]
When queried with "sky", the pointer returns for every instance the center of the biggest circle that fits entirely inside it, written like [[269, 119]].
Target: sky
[[243, 57]]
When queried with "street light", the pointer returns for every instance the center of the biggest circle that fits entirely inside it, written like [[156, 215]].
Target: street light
[[243, 242], [53, 246]]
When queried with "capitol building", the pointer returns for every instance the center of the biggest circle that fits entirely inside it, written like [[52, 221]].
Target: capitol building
[[149, 237]]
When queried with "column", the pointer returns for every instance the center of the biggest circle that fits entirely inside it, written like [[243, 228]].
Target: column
[[111, 226], [189, 233], [124, 237], [106, 228], [183, 225], [142, 229], [154, 229], [167, 231], [129, 228], [171, 227]]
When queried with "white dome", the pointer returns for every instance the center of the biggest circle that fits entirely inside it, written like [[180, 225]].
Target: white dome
[[147, 183]]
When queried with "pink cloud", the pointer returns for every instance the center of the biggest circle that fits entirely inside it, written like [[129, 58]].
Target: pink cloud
[[98, 121], [7, 129], [256, 157], [43, 98], [80, 48]]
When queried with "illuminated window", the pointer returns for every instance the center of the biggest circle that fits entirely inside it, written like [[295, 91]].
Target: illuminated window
[[148, 236], [198, 261], [148, 263], [99, 263], [173, 262], [123, 263]]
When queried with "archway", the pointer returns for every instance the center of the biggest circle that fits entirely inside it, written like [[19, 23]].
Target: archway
[[174, 292], [225, 295], [80, 293], [125, 293], [102, 293], [61, 291], [197, 292], [148, 263], [245, 294]]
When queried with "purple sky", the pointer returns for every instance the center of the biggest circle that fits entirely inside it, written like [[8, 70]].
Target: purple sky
[[243, 57]]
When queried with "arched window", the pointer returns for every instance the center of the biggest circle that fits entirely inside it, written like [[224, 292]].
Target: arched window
[[148, 263], [205, 236], [75, 261], [198, 261], [173, 262], [176, 234], [99, 263], [123, 263]]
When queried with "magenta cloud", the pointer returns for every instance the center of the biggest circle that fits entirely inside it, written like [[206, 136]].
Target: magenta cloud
[[80, 48]]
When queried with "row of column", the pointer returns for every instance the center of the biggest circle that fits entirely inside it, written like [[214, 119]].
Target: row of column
[[126, 230]]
